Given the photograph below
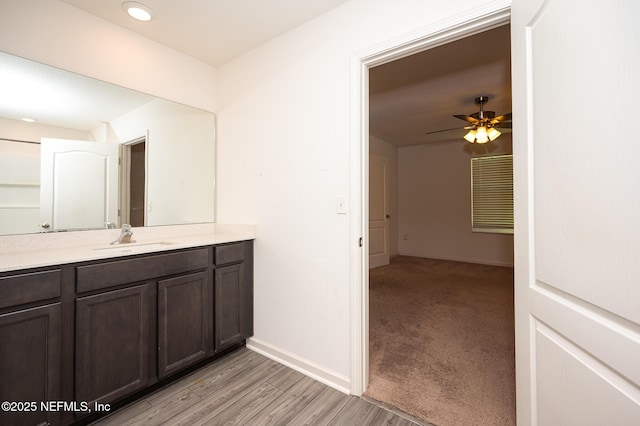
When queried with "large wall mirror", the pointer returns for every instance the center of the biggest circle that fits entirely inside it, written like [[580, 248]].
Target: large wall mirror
[[77, 153]]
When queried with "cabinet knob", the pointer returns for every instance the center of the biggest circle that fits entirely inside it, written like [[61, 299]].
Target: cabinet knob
[[45, 225]]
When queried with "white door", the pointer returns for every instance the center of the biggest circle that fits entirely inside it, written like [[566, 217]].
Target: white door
[[79, 184], [378, 211], [576, 89]]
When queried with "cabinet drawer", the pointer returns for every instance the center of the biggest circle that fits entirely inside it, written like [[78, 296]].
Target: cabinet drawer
[[27, 288], [229, 253], [108, 274]]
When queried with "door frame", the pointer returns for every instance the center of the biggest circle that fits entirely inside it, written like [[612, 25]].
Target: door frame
[[125, 177], [463, 25]]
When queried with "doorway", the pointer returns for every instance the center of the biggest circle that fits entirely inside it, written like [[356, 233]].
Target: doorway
[[433, 36], [134, 182], [441, 320]]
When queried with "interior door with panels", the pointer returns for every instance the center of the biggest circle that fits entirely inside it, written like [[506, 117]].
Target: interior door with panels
[[79, 184], [577, 234], [378, 211]]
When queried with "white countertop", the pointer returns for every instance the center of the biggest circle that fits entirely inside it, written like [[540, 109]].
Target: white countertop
[[37, 250]]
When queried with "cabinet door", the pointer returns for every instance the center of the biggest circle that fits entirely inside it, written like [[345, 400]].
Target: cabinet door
[[183, 321], [230, 309], [112, 344], [30, 362]]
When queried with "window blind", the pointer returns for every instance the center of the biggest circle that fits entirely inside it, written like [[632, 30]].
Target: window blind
[[492, 194]]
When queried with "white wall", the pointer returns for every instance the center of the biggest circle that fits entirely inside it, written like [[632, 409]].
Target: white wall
[[58, 34], [33, 132], [180, 150], [284, 150], [381, 147], [435, 204]]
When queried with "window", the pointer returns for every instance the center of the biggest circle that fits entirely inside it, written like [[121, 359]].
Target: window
[[492, 194]]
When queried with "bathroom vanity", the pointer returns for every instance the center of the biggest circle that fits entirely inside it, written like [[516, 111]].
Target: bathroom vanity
[[94, 332]]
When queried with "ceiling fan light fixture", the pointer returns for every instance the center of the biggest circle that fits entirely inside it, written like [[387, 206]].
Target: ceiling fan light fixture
[[471, 136], [493, 133], [138, 11], [481, 135], [483, 123]]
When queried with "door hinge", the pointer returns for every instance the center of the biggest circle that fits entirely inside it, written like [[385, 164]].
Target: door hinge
[[360, 241]]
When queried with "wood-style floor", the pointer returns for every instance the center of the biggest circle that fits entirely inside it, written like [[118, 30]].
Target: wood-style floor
[[246, 388]]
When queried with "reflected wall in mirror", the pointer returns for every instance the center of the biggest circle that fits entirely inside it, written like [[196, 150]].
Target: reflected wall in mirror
[[166, 154]]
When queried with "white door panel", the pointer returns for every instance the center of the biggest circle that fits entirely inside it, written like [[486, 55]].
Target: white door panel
[[378, 211], [377, 241], [79, 184], [586, 221], [577, 232], [589, 327], [591, 393]]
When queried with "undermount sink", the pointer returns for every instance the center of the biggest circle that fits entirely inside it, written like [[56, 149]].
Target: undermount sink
[[131, 247]]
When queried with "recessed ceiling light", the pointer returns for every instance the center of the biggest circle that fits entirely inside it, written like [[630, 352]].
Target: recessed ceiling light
[[138, 11], [29, 120]]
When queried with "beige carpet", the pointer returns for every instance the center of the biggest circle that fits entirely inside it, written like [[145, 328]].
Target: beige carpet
[[442, 341]]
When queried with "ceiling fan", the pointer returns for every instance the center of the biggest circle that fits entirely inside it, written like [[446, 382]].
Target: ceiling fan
[[484, 124]]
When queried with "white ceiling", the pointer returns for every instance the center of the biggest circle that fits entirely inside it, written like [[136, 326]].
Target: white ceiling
[[419, 94], [213, 31]]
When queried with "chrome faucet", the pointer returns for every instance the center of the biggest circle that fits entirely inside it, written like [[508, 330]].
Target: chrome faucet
[[125, 235]]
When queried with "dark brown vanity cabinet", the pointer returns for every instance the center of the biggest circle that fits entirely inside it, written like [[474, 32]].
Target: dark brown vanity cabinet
[[228, 306], [148, 318], [184, 315], [104, 330], [233, 294], [112, 344], [30, 331]]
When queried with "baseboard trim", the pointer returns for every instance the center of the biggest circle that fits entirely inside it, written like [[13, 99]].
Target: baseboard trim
[[454, 259], [302, 365]]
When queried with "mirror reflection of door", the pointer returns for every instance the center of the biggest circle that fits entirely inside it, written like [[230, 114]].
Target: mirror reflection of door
[[134, 182], [79, 183]]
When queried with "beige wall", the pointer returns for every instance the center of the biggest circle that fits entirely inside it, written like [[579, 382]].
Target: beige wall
[[429, 197], [435, 205]]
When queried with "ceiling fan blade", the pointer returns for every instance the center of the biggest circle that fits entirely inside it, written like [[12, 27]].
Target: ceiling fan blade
[[467, 118], [485, 114], [445, 130], [505, 117], [503, 125]]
